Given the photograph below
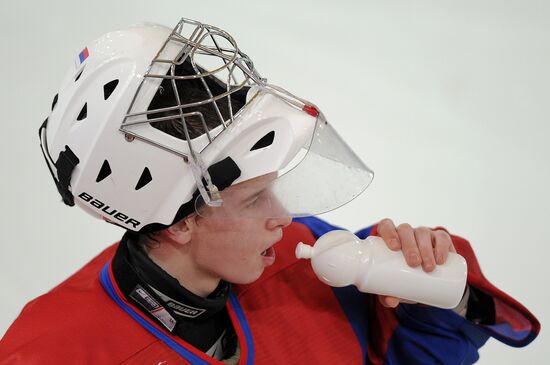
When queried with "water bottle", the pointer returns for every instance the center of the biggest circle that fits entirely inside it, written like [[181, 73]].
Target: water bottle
[[339, 258]]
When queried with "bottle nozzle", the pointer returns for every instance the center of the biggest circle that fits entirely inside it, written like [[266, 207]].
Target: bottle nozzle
[[304, 251]]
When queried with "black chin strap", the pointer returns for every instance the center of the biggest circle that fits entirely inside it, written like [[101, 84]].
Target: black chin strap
[[223, 173], [65, 165]]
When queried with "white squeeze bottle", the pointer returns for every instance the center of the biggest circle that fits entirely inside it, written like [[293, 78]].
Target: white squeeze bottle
[[339, 258]]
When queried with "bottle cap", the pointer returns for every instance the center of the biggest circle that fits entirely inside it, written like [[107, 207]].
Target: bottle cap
[[304, 251]]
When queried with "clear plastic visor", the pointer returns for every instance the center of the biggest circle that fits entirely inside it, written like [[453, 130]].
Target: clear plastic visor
[[324, 175]]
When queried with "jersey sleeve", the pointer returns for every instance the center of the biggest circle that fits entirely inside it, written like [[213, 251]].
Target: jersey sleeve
[[420, 334]]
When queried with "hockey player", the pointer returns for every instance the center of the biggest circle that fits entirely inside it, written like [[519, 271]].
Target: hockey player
[[173, 135]]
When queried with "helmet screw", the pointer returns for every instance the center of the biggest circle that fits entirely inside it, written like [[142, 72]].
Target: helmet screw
[[128, 137]]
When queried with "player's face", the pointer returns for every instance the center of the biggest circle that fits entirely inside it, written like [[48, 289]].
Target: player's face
[[237, 247]]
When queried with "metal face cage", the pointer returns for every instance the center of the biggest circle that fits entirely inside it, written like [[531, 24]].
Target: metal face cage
[[214, 55], [222, 70]]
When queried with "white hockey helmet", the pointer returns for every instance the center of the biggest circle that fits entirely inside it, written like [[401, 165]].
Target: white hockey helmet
[[106, 152]]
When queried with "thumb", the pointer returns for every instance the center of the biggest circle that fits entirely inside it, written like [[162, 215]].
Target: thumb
[[388, 302]]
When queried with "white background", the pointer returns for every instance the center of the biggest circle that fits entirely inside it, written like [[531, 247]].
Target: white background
[[446, 101]]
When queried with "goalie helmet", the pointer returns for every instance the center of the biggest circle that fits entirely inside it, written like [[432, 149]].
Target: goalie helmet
[[152, 124]]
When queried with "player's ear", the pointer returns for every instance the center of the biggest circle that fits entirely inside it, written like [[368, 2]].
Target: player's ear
[[181, 231]]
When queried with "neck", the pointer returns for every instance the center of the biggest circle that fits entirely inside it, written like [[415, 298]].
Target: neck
[[177, 262]]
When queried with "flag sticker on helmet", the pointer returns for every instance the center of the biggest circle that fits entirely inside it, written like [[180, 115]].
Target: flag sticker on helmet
[[79, 61], [83, 55]]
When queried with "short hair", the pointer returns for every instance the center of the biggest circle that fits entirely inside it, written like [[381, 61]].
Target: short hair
[[191, 91]]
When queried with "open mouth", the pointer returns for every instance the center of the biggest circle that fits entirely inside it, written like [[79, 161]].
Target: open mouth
[[269, 252], [268, 256]]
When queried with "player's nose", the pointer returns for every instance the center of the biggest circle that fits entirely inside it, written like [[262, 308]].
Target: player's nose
[[279, 222]]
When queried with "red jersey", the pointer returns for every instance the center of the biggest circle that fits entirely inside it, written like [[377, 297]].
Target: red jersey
[[287, 316]]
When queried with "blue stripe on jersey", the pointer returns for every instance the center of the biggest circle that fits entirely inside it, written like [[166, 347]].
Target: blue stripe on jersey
[[319, 227], [244, 325], [364, 233], [356, 307], [182, 351]]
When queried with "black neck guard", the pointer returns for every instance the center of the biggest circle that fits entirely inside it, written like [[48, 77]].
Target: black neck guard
[[199, 321]]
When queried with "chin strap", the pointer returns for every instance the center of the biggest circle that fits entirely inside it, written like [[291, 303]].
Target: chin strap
[[64, 166]]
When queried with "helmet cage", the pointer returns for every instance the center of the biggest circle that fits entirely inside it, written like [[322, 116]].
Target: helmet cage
[[216, 59]]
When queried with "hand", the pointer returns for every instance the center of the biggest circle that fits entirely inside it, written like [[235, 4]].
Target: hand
[[420, 246]]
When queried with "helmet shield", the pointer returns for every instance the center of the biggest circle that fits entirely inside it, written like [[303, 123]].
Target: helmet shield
[[323, 175]]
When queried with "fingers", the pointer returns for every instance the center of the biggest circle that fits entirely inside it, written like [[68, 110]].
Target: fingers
[[408, 244], [386, 230], [442, 246], [420, 246], [423, 237]]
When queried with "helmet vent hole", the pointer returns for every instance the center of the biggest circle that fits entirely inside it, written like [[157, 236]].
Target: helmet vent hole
[[108, 88], [144, 179], [83, 112], [104, 171], [79, 74], [54, 101], [265, 141]]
